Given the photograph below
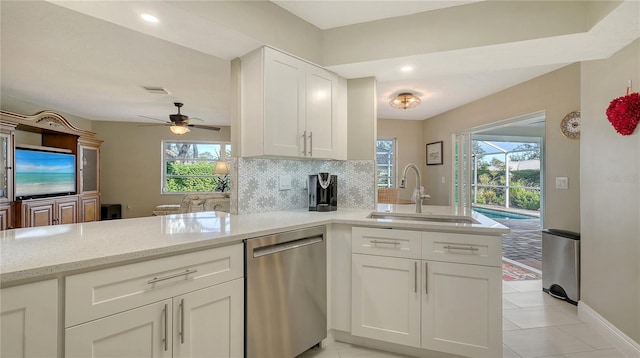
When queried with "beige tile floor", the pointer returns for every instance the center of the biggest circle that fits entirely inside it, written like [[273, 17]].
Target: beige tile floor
[[535, 325]]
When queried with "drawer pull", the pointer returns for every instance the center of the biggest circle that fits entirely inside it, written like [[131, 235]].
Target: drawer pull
[[158, 279], [394, 243], [470, 248]]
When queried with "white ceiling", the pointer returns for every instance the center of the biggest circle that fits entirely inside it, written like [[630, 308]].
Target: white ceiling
[[90, 58]]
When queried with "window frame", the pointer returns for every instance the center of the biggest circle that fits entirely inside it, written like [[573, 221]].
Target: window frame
[[392, 181], [224, 146]]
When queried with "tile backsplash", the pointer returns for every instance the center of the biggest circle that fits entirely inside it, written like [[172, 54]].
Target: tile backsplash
[[257, 185]]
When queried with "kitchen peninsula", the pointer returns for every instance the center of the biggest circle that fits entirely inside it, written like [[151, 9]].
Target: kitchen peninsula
[[69, 258]]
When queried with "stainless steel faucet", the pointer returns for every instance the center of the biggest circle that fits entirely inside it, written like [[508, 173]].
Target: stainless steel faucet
[[418, 182]]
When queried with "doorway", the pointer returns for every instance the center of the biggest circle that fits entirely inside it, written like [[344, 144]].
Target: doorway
[[504, 175]]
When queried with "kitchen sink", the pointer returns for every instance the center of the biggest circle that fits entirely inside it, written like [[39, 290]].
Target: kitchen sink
[[422, 217]]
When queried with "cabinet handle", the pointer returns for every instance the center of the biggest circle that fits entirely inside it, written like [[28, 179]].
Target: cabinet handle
[[182, 321], [311, 144], [304, 141], [158, 279], [426, 277], [470, 248], [394, 243], [165, 312], [415, 277]]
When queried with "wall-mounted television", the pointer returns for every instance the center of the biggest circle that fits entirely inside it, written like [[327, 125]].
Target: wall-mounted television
[[41, 173]]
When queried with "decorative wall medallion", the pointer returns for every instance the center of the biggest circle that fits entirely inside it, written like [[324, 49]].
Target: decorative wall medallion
[[570, 125]]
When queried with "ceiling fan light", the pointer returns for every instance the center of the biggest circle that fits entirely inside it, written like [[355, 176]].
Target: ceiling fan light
[[405, 101], [179, 130]]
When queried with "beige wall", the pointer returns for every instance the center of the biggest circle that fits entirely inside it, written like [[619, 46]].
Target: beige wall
[[557, 93], [130, 166], [361, 117], [610, 213], [17, 105], [409, 149]]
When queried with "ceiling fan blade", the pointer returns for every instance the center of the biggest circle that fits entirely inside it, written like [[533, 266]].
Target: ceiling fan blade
[[196, 119], [155, 119], [211, 128]]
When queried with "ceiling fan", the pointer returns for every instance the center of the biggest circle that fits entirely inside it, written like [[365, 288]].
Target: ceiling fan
[[179, 123]]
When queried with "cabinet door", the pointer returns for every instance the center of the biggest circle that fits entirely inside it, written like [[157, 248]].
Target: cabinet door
[[462, 309], [141, 332], [39, 214], [386, 299], [6, 217], [321, 88], [284, 97], [89, 163], [6, 166], [66, 211], [29, 320], [89, 208], [210, 322]]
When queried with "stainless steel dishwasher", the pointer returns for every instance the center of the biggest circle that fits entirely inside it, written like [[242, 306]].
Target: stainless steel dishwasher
[[286, 293]]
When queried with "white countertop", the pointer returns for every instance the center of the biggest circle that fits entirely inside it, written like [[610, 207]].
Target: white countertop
[[37, 253]]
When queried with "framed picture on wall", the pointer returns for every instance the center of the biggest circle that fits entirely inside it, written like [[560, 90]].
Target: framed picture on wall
[[434, 153]]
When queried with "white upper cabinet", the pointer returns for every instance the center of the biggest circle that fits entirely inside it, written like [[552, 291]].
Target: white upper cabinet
[[290, 108]]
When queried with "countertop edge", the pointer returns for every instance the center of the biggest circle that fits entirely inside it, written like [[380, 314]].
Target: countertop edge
[[14, 278]]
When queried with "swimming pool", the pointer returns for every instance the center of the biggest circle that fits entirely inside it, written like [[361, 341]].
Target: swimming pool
[[497, 214]]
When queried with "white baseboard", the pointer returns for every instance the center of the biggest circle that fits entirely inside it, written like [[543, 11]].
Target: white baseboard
[[613, 335]]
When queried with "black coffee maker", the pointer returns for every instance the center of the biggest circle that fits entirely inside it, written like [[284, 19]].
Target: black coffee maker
[[323, 192]]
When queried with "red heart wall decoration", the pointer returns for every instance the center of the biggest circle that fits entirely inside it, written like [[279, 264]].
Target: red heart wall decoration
[[624, 113]]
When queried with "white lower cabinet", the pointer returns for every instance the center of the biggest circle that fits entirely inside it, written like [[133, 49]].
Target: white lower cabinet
[[141, 332], [210, 322], [462, 309], [204, 323], [450, 307], [386, 299], [29, 320], [189, 305]]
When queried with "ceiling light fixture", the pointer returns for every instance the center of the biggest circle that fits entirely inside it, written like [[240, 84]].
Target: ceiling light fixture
[[149, 18], [405, 101], [179, 130], [406, 68]]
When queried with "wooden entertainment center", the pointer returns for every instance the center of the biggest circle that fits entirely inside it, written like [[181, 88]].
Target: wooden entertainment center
[[56, 132]]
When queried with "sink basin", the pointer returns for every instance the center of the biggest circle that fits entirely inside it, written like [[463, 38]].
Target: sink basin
[[422, 217]]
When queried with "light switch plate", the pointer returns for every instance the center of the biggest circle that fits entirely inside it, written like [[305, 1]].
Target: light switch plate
[[285, 182], [562, 183]]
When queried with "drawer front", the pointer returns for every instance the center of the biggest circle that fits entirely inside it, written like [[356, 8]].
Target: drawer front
[[462, 248], [386, 242], [100, 293]]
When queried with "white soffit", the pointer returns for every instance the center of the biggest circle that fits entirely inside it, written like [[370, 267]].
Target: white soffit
[[327, 14]]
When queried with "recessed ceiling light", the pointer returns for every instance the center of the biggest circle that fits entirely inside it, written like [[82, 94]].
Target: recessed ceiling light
[[149, 18], [406, 69]]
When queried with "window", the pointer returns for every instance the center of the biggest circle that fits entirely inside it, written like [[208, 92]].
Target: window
[[385, 163], [187, 167]]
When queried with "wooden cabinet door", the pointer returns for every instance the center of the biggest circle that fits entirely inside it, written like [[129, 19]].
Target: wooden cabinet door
[[284, 107], [66, 211], [89, 208], [41, 213], [144, 332], [6, 217], [386, 299], [461, 309], [29, 320], [321, 88], [210, 322]]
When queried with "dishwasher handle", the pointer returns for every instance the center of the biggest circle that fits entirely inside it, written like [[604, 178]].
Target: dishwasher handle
[[283, 246]]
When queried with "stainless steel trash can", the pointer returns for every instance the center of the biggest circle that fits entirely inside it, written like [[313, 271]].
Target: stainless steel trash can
[[561, 264]]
